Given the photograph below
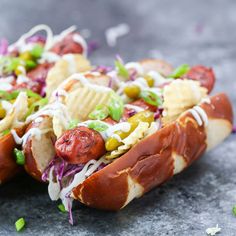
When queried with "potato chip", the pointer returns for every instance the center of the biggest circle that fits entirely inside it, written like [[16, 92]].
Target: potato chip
[[68, 65], [15, 117], [179, 96], [130, 141]]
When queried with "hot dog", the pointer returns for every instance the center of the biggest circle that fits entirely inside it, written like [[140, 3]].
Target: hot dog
[[24, 69], [131, 139], [80, 145]]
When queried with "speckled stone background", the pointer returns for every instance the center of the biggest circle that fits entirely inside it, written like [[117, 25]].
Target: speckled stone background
[[180, 31]]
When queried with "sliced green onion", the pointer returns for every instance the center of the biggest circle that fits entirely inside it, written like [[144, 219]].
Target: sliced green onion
[[13, 63], [36, 51], [180, 71], [234, 210], [9, 64], [14, 94], [98, 126], [36, 105], [20, 224], [5, 95], [73, 124], [122, 71], [30, 64], [20, 157], [31, 94], [8, 96], [116, 107], [151, 98], [5, 132], [100, 113], [61, 208]]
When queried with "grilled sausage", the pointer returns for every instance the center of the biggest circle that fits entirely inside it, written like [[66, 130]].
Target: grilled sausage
[[79, 145]]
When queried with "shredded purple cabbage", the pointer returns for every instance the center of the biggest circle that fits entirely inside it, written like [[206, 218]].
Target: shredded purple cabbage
[[133, 75], [63, 169], [3, 47], [131, 112], [157, 115], [42, 82], [71, 221], [119, 58], [234, 129], [92, 46], [36, 39], [103, 69]]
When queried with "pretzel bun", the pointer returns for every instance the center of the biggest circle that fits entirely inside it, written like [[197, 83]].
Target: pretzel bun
[[38, 154], [157, 158], [158, 65], [8, 166]]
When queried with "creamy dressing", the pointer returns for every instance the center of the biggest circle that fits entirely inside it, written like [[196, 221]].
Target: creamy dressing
[[141, 83], [20, 43], [206, 100], [38, 120], [78, 39], [50, 57], [70, 59], [63, 34], [158, 78], [33, 132], [5, 86], [117, 137], [133, 107], [84, 81], [7, 106], [123, 126], [8, 79], [199, 115], [78, 179], [51, 110], [135, 65], [53, 187], [22, 79]]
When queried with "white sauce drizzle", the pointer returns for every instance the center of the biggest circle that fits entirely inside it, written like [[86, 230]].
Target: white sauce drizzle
[[117, 137], [8, 79], [71, 62], [79, 39], [78, 179], [199, 115], [7, 106], [84, 81], [36, 132], [22, 79], [53, 187], [158, 78], [5, 86], [206, 100], [135, 65], [63, 34], [133, 107], [50, 57], [20, 43]]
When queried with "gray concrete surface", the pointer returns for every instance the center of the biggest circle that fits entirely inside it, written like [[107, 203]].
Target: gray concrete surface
[[181, 31]]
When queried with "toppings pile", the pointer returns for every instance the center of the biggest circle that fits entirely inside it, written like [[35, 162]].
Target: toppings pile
[[108, 112], [87, 116]]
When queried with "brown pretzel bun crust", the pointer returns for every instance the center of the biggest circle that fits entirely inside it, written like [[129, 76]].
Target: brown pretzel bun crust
[[8, 166], [157, 158]]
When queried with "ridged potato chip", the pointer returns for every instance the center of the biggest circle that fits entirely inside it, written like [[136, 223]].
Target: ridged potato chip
[[130, 141], [15, 117], [68, 65], [179, 96]]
